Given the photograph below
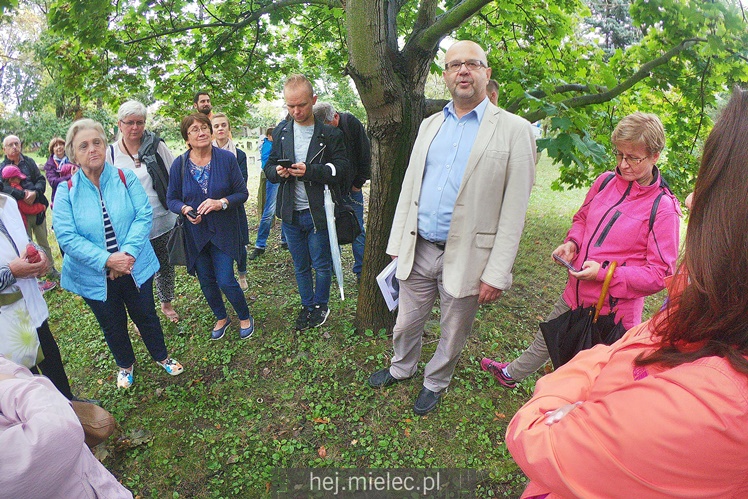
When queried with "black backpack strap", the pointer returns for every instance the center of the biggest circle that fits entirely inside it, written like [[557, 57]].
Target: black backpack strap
[[653, 213], [606, 181]]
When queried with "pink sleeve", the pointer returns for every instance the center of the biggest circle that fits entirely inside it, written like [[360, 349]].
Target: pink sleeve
[[40, 435], [666, 435]]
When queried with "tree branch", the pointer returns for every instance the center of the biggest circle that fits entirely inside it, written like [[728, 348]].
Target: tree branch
[[253, 16], [641, 74], [430, 36]]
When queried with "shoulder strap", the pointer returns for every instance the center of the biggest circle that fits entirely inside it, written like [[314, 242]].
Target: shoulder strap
[[111, 151], [653, 213], [121, 177], [606, 181]]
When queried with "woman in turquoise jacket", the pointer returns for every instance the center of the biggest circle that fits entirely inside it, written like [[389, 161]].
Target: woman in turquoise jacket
[[102, 222]]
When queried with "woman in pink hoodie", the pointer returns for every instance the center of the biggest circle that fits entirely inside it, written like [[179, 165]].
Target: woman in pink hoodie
[[628, 216], [663, 412]]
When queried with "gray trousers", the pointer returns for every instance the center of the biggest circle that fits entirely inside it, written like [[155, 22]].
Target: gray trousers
[[417, 296], [536, 355]]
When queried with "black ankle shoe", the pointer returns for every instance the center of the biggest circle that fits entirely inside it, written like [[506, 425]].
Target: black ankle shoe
[[383, 378], [426, 401], [257, 252]]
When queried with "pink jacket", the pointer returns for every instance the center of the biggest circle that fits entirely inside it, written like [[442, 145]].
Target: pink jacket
[[640, 432], [613, 225], [42, 453]]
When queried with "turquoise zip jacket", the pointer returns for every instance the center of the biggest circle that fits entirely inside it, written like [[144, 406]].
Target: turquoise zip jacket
[[79, 227]]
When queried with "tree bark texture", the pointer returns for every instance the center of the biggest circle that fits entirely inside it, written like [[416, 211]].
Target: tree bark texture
[[391, 86]]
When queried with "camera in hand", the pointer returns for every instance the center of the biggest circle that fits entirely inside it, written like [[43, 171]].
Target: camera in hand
[[192, 214]]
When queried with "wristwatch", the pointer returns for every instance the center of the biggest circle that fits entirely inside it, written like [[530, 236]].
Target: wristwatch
[[224, 204]]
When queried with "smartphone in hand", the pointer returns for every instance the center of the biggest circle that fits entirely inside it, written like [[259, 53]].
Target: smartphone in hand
[[192, 214], [285, 163], [565, 263]]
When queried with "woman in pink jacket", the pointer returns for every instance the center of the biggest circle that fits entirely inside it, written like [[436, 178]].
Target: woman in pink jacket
[[629, 216], [663, 412]]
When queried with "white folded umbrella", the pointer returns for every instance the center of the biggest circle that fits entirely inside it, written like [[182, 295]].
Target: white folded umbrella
[[332, 232]]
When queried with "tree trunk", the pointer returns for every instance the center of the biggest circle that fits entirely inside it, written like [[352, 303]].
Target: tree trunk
[[391, 147], [391, 85]]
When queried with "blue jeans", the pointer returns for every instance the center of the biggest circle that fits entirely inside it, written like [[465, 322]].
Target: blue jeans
[[268, 214], [121, 293], [215, 271], [356, 201], [309, 248]]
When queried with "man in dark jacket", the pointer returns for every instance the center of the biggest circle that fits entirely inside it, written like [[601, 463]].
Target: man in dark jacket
[[34, 186], [358, 148], [306, 155]]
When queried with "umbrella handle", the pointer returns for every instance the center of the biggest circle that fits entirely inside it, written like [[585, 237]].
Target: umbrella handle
[[604, 291]]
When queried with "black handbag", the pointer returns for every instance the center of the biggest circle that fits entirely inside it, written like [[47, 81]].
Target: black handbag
[[346, 224], [175, 245]]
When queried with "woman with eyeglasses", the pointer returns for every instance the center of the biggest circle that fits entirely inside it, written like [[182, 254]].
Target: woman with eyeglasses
[[145, 154], [663, 412], [102, 221], [207, 188], [222, 139], [628, 216]]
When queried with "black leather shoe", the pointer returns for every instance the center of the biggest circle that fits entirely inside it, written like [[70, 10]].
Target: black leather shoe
[[255, 253], [426, 401], [383, 378]]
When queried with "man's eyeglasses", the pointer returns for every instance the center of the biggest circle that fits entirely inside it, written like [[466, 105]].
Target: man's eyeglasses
[[628, 159], [11, 145], [133, 122], [470, 65], [195, 130]]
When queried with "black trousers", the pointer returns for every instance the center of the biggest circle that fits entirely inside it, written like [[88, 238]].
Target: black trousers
[[51, 366]]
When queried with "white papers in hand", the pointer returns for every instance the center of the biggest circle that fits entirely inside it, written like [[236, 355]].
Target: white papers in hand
[[389, 285]]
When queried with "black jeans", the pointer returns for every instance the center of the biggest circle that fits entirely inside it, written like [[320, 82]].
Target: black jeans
[[122, 293]]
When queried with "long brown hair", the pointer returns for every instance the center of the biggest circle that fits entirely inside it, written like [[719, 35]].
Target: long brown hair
[[710, 317]]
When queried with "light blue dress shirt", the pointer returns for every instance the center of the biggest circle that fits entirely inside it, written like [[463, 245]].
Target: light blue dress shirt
[[445, 165]]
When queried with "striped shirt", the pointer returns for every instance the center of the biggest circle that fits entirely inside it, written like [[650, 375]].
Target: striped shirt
[[109, 235]]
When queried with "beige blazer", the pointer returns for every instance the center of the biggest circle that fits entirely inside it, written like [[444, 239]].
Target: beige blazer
[[489, 212]]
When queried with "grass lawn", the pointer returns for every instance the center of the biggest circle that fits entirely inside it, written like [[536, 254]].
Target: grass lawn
[[282, 399]]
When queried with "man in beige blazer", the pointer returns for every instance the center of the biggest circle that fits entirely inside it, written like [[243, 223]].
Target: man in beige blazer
[[458, 221]]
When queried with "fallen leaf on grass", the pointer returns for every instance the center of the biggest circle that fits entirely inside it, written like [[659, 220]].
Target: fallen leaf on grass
[[354, 442], [100, 452], [407, 432], [134, 438], [266, 372], [321, 420], [499, 415], [233, 459], [322, 452]]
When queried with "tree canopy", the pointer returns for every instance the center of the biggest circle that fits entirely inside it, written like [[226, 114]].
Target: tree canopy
[[577, 65]]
